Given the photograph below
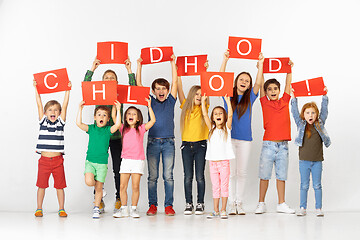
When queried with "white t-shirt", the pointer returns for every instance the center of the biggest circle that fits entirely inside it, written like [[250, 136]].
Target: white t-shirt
[[218, 148]]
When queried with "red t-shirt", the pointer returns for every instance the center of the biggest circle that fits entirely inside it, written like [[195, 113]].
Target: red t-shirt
[[276, 118]]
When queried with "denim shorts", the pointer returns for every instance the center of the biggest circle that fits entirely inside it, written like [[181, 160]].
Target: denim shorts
[[274, 153]]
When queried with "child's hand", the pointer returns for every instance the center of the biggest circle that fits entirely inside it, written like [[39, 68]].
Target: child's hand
[[69, 84], [291, 63], [292, 93], [326, 90], [206, 64], [117, 105], [173, 58], [128, 64], [81, 105], [227, 99], [261, 60], [95, 64], [227, 55], [148, 101], [203, 99], [34, 83], [139, 61]]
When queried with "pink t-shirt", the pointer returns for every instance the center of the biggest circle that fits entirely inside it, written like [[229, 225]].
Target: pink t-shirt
[[132, 147]]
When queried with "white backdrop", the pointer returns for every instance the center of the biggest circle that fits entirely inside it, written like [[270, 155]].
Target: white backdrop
[[320, 37]]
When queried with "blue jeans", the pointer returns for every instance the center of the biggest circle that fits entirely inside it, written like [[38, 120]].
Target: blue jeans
[[166, 148], [194, 153], [315, 168]]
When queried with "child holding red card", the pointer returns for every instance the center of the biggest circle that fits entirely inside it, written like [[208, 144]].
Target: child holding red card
[[244, 96], [116, 139], [311, 136], [51, 147], [275, 151]]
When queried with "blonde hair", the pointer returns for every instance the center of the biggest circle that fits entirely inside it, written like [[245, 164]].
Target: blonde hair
[[188, 107], [223, 125], [316, 122]]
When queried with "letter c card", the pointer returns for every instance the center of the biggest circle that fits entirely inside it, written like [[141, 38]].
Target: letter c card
[[52, 81]]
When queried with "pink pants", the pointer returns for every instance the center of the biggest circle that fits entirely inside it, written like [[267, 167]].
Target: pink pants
[[219, 174]]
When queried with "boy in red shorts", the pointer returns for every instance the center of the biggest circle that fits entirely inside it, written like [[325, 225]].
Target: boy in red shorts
[[51, 147]]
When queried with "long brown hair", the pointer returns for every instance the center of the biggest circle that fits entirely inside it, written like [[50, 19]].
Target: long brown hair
[[316, 122], [223, 125], [138, 123], [242, 106]]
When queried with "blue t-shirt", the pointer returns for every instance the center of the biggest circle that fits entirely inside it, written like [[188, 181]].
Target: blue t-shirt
[[241, 128], [164, 114]]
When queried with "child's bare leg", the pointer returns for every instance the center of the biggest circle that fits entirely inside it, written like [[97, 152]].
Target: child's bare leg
[[280, 185], [223, 203], [263, 189], [89, 179], [61, 197], [40, 197], [216, 204], [124, 180], [135, 182], [98, 193]]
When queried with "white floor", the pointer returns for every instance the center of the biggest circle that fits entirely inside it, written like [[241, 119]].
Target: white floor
[[334, 225]]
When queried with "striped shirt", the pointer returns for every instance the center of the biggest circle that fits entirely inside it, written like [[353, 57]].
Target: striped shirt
[[51, 136]]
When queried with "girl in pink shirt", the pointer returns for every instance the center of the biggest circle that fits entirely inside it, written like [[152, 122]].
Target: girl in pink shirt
[[133, 157]]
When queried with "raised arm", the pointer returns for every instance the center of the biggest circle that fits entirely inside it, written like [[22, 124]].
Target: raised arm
[[259, 75], [89, 73], [288, 79], [117, 124], [230, 112], [295, 109], [324, 106], [225, 60], [132, 80], [152, 121], [79, 122], [174, 83], [180, 90], [138, 72], [38, 102], [95, 64], [205, 111], [65, 103]]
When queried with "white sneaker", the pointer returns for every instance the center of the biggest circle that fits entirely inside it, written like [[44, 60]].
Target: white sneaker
[[319, 213], [284, 208], [223, 214], [134, 212], [239, 209], [232, 209], [261, 208], [301, 212], [124, 211], [189, 209], [117, 214], [96, 213]]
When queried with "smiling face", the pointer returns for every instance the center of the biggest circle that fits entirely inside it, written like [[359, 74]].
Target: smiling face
[[197, 97], [310, 115], [132, 117], [218, 116], [101, 117], [272, 91], [243, 83], [160, 92], [53, 112]]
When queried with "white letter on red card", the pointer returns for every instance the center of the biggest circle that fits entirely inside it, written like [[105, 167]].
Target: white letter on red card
[[45, 81], [152, 57], [128, 97], [238, 47], [99, 91], [190, 64], [270, 65], [210, 83]]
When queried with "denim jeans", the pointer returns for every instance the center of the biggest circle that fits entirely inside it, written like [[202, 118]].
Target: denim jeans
[[164, 147], [193, 153], [315, 168]]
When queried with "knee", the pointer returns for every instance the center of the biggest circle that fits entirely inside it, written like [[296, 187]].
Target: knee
[[135, 189], [90, 182], [123, 187], [317, 186], [304, 186]]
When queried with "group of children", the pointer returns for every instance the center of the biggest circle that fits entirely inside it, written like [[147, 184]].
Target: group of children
[[223, 139]]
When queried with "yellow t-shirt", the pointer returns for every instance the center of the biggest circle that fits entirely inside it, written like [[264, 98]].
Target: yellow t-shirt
[[195, 128]]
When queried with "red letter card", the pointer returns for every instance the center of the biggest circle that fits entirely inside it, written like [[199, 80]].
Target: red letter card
[[247, 48], [277, 65], [52, 81], [156, 54], [112, 52], [191, 65], [217, 83], [310, 87], [133, 94], [99, 93]]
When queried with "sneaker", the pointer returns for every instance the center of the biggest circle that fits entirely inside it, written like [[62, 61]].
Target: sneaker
[[169, 211], [62, 213], [284, 208], [239, 209], [301, 212], [117, 214], [232, 209], [152, 210], [261, 208], [189, 208], [96, 213], [223, 214], [134, 212], [199, 210], [117, 205], [39, 213], [102, 206], [319, 213], [124, 211], [213, 215]]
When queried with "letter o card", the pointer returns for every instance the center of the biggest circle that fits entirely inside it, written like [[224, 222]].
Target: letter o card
[[52, 81], [277, 65], [247, 48], [112, 52], [99, 93], [133, 94], [191, 65], [217, 83], [156, 54]]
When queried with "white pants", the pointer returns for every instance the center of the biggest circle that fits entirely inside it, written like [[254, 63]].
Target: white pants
[[238, 170]]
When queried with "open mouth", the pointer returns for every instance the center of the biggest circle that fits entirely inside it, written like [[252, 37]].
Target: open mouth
[[131, 119], [243, 86], [273, 95], [161, 95], [101, 121], [218, 119]]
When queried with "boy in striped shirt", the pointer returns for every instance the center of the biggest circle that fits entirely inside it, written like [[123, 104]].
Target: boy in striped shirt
[[51, 147]]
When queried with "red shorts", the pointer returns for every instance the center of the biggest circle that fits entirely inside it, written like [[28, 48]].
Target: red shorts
[[52, 165]]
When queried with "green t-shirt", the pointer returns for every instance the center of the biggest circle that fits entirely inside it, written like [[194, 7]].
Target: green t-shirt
[[98, 144]]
